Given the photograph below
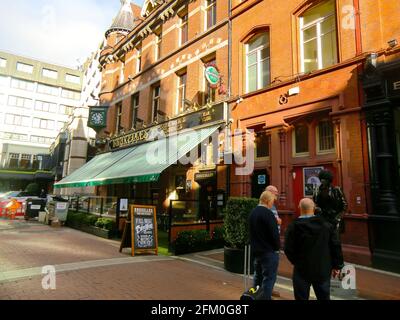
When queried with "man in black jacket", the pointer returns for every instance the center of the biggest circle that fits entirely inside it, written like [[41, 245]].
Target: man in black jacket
[[265, 244], [313, 247]]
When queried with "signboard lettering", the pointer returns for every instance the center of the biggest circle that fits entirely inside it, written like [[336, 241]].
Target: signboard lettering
[[192, 120], [144, 229], [396, 85]]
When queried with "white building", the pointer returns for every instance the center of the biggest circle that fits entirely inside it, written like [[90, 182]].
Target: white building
[[36, 99]]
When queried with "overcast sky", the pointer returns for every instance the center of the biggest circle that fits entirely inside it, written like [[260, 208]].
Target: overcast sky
[[59, 31]]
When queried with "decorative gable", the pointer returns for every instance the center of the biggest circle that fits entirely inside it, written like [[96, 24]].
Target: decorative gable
[[149, 6]]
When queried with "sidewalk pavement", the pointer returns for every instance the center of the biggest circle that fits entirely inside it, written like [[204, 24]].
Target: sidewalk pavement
[[372, 284], [88, 267]]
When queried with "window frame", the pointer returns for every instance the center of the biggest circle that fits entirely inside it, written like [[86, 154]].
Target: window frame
[[118, 126], [3, 62], [135, 104], [139, 59], [158, 45], [318, 22], [268, 136], [51, 74], [318, 142], [296, 154], [24, 67], [207, 8], [258, 62], [180, 105], [184, 28], [154, 115]]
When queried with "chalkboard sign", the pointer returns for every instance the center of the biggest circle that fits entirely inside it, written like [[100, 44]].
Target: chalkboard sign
[[144, 229]]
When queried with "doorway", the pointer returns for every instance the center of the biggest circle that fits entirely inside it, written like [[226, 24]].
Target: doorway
[[259, 181]]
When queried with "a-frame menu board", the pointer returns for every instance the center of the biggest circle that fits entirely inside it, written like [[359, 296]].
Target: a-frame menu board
[[144, 229]]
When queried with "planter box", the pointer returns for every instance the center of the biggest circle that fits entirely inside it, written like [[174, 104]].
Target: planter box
[[234, 260], [103, 233]]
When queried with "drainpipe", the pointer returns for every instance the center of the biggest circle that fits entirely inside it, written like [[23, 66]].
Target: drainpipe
[[357, 25], [228, 173]]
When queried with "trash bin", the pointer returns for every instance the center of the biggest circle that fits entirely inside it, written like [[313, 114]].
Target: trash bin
[[33, 207], [57, 208]]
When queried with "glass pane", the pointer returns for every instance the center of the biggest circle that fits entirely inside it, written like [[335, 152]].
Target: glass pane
[[258, 41], [252, 58], [326, 137], [301, 134], [310, 56], [329, 49], [324, 9], [265, 73], [262, 144], [310, 33], [252, 78], [265, 53], [328, 25]]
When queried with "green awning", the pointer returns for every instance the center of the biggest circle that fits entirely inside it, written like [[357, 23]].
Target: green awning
[[142, 163], [84, 175]]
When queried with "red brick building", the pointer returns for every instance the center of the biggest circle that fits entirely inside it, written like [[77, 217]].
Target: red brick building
[[296, 72], [312, 78]]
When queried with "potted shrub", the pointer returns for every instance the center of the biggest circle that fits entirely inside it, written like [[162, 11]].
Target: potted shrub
[[236, 232]]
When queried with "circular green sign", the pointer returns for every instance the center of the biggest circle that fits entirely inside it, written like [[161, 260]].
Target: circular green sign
[[212, 75]]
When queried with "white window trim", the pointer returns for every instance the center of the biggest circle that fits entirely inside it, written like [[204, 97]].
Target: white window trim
[[259, 62], [138, 60], [179, 86], [153, 115], [329, 151], [157, 43], [181, 24], [119, 118], [301, 154], [135, 107], [319, 35], [206, 8]]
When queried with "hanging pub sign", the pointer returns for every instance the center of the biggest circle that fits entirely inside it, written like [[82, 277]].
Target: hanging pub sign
[[98, 117], [144, 229], [212, 75]]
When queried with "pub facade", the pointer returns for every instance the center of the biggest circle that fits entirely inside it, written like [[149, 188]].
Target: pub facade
[[164, 77]]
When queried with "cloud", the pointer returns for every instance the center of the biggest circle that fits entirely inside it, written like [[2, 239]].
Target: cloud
[[58, 31]]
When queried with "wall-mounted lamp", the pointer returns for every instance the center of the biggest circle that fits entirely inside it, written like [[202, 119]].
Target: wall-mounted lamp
[[392, 43], [293, 91], [294, 175], [240, 100]]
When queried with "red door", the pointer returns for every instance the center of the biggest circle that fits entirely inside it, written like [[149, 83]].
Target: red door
[[303, 180]]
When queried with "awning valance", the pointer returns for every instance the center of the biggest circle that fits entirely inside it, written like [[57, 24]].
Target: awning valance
[[142, 163]]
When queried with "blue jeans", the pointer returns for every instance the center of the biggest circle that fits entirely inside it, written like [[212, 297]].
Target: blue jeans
[[302, 287], [266, 271]]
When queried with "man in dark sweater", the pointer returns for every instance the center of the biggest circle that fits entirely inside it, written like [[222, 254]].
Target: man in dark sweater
[[313, 247], [265, 244]]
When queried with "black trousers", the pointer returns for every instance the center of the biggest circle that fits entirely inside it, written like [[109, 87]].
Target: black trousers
[[302, 287]]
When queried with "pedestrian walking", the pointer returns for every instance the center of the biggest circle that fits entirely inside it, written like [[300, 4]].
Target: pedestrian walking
[[265, 244], [313, 247], [274, 190], [330, 200]]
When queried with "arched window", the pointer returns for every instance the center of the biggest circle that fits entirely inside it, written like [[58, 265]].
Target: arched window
[[318, 37], [257, 62]]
